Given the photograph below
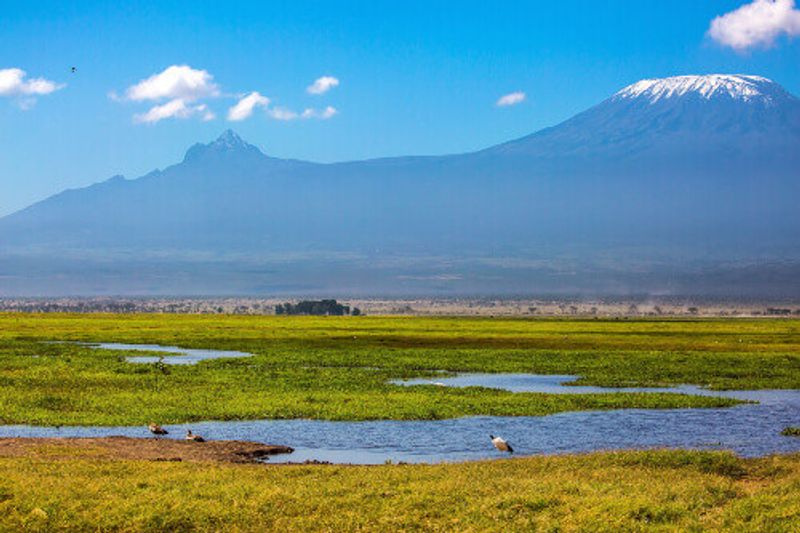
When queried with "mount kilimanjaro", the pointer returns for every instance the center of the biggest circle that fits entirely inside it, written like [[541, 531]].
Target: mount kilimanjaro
[[683, 185]]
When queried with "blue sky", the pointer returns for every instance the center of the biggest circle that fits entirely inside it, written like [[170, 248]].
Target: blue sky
[[414, 77]]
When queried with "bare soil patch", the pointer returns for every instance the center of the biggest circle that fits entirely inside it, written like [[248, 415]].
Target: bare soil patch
[[147, 449]]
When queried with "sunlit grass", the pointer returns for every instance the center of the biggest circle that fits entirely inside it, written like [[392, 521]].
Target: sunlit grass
[[338, 368], [624, 491]]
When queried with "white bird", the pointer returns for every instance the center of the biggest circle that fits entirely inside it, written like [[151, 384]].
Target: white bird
[[501, 444], [192, 437]]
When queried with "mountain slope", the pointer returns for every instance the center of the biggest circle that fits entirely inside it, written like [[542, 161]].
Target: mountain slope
[[665, 172], [684, 115]]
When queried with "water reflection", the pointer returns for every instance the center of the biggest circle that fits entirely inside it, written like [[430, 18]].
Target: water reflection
[[545, 383]]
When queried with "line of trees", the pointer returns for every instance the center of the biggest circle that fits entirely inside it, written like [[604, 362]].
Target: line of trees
[[317, 308]]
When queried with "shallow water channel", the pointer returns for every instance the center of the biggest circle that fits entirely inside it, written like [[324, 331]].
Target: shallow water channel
[[747, 429], [172, 355]]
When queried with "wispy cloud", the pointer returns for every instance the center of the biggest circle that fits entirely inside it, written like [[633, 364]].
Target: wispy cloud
[[510, 99], [324, 114], [281, 113], [181, 86], [755, 24], [176, 108], [322, 85], [245, 106], [14, 82], [284, 114]]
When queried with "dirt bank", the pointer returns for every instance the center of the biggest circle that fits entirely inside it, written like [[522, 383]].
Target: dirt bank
[[149, 449]]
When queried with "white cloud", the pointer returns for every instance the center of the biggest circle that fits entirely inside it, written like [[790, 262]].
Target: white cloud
[[758, 23], [176, 108], [322, 85], [511, 99], [328, 112], [281, 113], [14, 82], [175, 82], [181, 88], [325, 114], [179, 92], [245, 106]]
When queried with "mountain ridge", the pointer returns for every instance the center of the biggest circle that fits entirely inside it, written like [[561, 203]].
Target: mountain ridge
[[231, 142], [683, 179]]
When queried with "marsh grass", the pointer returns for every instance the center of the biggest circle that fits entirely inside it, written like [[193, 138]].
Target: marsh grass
[[622, 491], [337, 368]]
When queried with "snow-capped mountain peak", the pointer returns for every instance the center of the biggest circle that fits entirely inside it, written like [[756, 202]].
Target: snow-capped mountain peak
[[733, 86]]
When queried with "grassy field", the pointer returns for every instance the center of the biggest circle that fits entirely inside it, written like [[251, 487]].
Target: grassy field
[[623, 491], [337, 368]]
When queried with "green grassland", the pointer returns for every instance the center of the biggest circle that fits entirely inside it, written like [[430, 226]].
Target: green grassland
[[622, 491], [337, 367]]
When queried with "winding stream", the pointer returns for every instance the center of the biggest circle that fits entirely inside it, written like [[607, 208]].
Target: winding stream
[[747, 429]]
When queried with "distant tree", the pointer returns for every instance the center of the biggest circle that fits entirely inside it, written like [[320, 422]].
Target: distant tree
[[777, 311], [314, 308], [356, 311]]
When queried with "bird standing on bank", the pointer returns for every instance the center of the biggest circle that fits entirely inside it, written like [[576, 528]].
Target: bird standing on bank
[[501, 444], [192, 437], [156, 430]]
